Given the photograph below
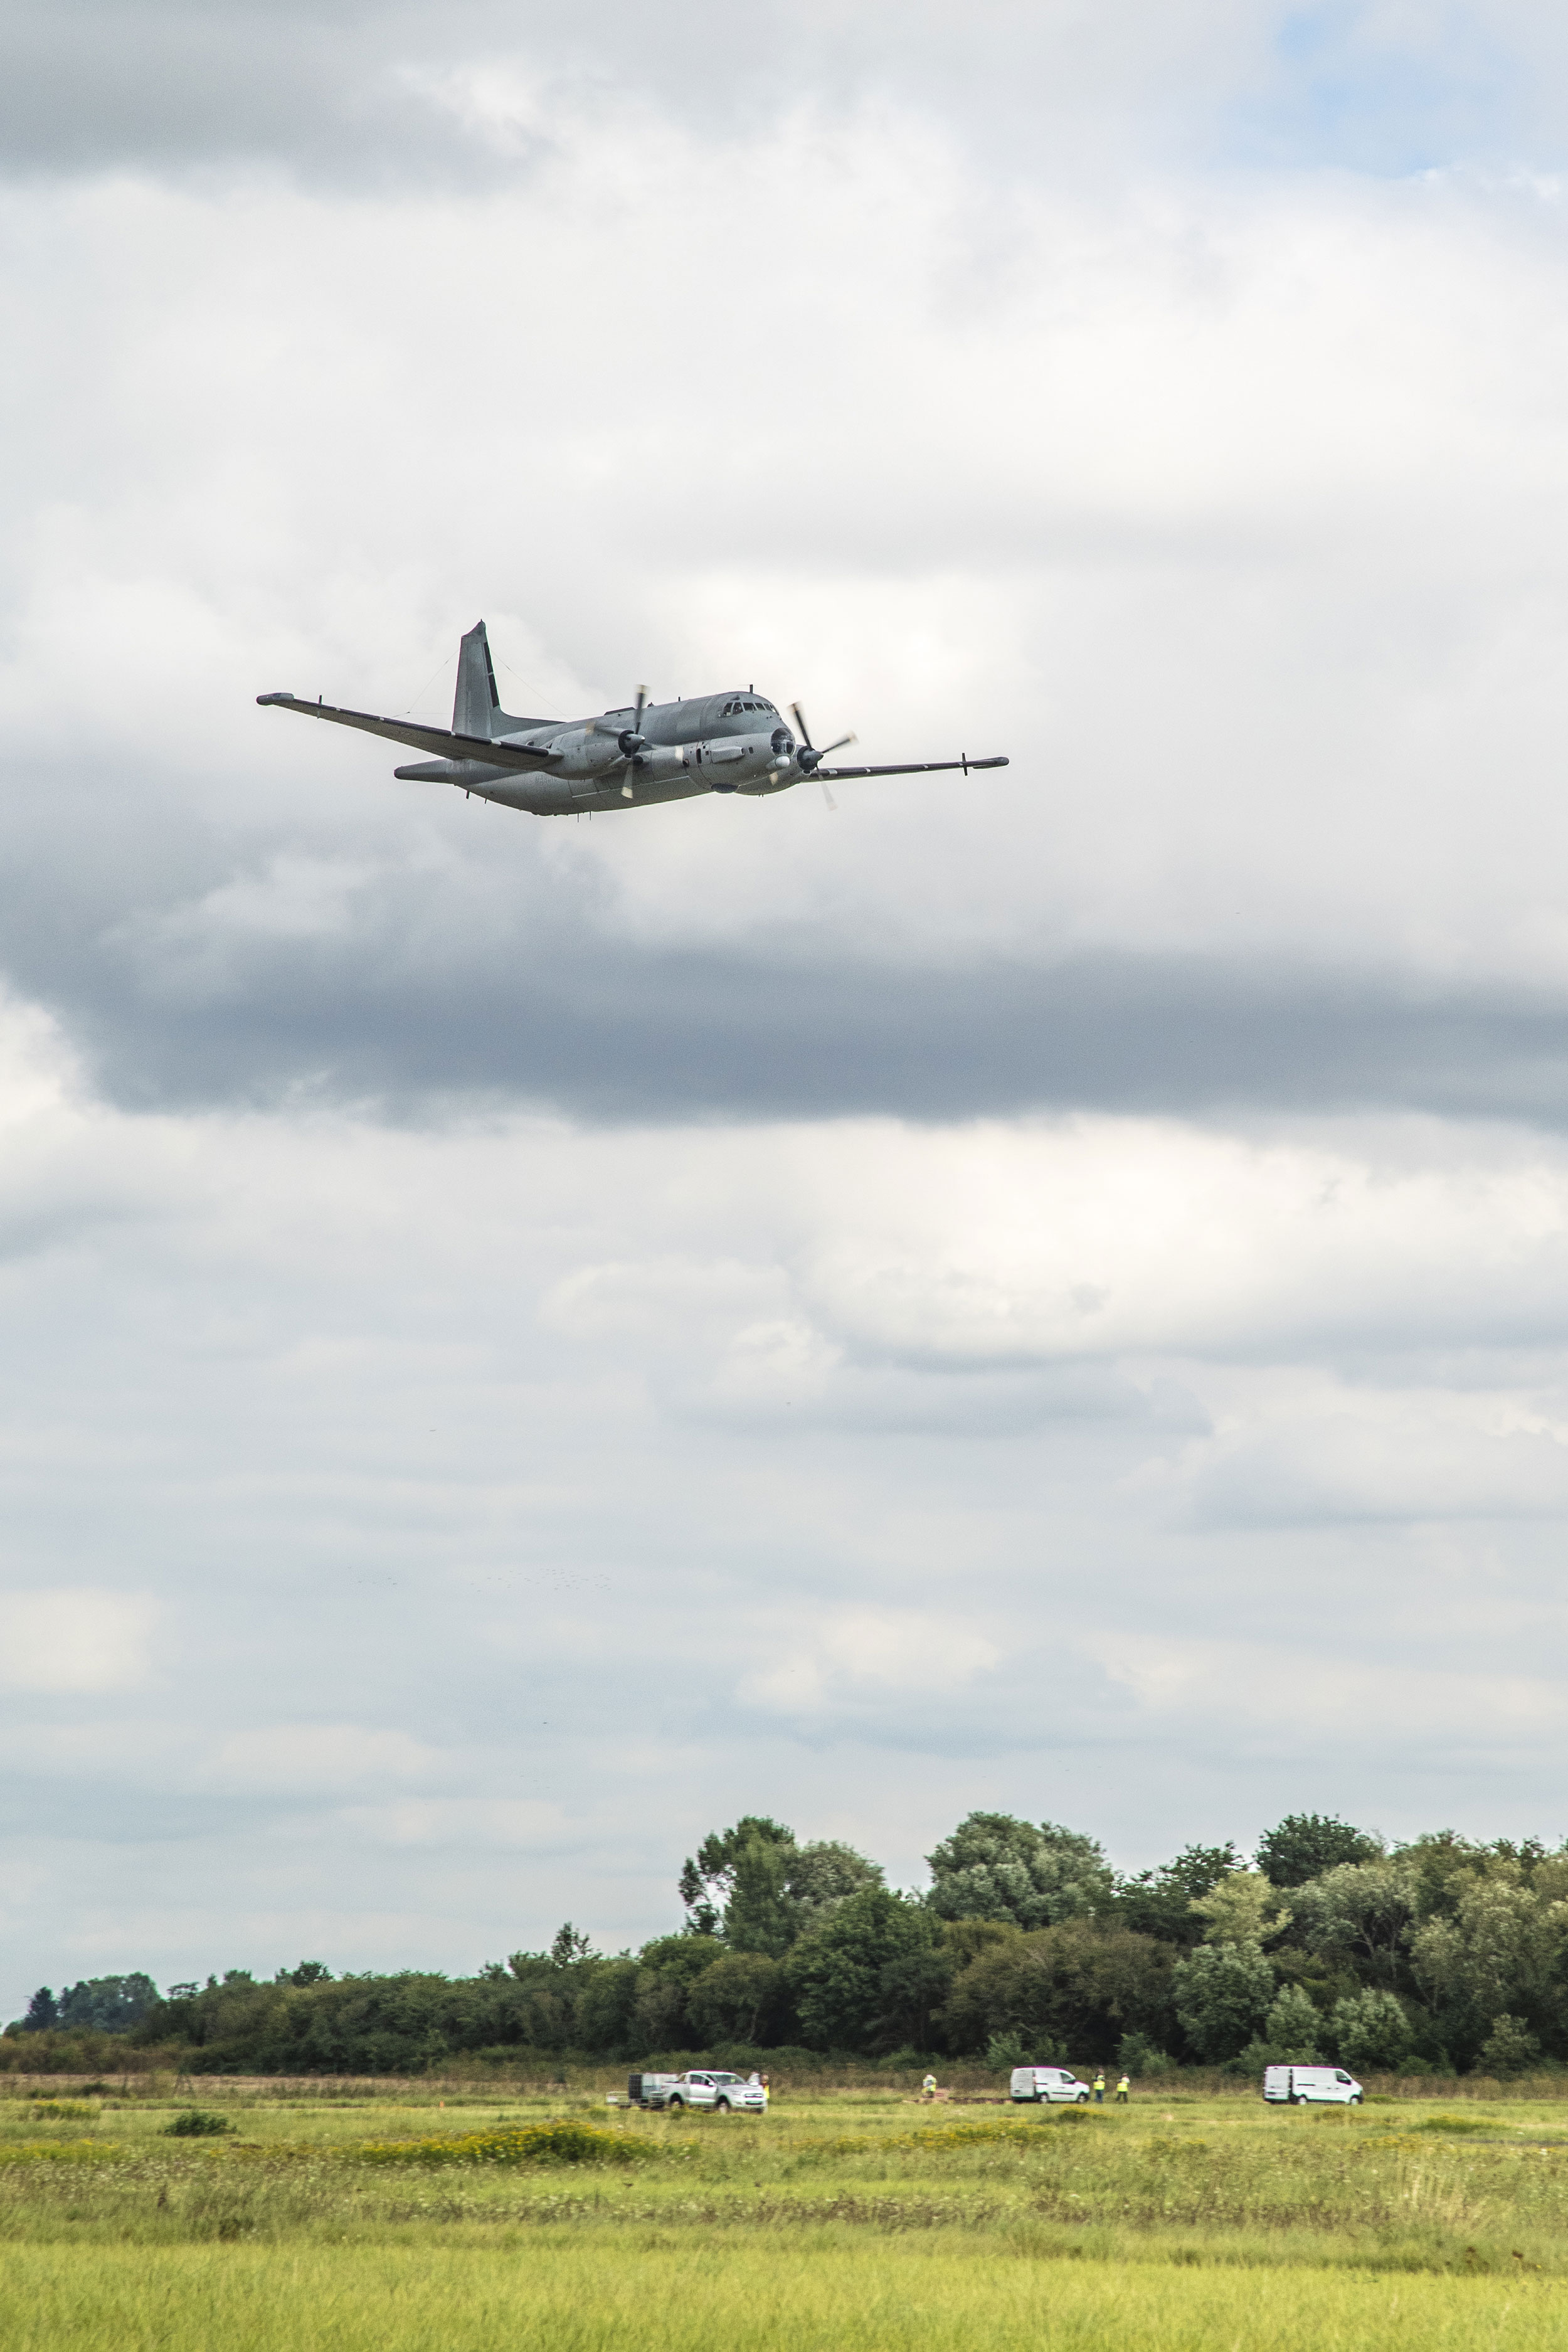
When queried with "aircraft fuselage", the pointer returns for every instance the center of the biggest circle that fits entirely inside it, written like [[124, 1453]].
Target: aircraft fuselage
[[731, 742]]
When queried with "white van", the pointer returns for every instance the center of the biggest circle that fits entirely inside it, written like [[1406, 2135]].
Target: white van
[[1293, 2087], [1058, 2083]]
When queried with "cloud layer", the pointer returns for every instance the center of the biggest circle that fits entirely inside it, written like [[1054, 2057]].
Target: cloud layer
[[483, 1477]]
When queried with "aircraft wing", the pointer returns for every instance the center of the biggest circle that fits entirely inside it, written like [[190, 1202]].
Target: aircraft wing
[[912, 768], [439, 739]]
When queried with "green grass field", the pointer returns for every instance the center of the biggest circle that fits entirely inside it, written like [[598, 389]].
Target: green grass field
[[850, 2220]]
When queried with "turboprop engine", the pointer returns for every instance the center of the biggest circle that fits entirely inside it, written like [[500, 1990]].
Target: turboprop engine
[[584, 752], [729, 762]]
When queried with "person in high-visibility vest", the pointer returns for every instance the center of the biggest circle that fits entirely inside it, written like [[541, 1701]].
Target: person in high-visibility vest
[[928, 2086], [1099, 2088], [1122, 2089]]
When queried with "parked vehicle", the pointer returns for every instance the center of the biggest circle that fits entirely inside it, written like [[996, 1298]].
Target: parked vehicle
[[1058, 2085], [1296, 2087], [708, 2087]]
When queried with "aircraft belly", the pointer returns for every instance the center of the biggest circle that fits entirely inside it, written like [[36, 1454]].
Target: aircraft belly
[[604, 799], [534, 795]]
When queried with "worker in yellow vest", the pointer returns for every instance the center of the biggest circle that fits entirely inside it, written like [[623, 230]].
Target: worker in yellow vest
[[1122, 2088], [1099, 2088]]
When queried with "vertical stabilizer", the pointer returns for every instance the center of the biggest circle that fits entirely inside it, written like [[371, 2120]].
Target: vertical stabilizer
[[476, 709]]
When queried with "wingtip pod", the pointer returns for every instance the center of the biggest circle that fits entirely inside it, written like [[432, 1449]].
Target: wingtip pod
[[278, 698]]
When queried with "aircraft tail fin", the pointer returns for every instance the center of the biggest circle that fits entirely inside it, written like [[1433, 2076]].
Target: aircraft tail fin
[[476, 707], [477, 710]]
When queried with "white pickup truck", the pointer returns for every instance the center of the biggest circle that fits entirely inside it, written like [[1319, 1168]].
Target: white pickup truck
[[1293, 2087], [707, 2086], [1056, 2084]]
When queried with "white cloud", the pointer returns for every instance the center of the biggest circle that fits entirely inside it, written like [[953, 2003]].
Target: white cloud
[[488, 1823], [79, 1640], [317, 1759], [855, 1654], [1317, 1687]]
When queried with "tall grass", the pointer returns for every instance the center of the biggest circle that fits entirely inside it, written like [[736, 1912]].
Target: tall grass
[[862, 2225], [603, 2293]]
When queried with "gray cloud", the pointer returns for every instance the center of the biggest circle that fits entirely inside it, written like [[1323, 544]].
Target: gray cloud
[[345, 93], [430, 994]]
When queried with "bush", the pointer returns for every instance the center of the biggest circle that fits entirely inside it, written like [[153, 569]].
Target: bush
[[1509, 2048], [1005, 2050], [1371, 2031], [1136, 2055], [197, 2122], [565, 2142], [1295, 2028]]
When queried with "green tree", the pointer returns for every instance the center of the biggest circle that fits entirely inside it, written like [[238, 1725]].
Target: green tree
[[758, 1915], [667, 1970], [604, 2009], [1244, 1908], [1160, 1902], [1303, 1845], [1509, 2048], [1371, 2031], [1440, 1867], [708, 1877], [109, 2004], [821, 1876], [760, 1889], [1360, 1913], [995, 1866], [1223, 1994], [870, 1975], [1294, 2029], [1076, 1987], [1500, 1953], [739, 1998]]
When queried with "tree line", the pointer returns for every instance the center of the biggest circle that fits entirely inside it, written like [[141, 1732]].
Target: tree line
[[1438, 1955]]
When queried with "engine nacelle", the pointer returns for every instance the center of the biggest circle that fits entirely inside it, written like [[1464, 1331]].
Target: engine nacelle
[[661, 762], [731, 763], [584, 754]]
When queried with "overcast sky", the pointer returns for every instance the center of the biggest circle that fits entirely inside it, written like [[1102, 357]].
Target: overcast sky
[[1046, 1290]]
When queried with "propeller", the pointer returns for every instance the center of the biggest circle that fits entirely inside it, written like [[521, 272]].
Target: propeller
[[631, 743], [631, 737], [809, 759]]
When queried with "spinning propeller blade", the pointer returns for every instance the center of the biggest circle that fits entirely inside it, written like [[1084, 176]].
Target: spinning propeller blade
[[808, 758], [631, 740]]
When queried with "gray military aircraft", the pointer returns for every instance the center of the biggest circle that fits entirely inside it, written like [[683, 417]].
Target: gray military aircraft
[[730, 742]]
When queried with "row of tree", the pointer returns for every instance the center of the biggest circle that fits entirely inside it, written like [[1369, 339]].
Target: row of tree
[[1327, 1944]]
